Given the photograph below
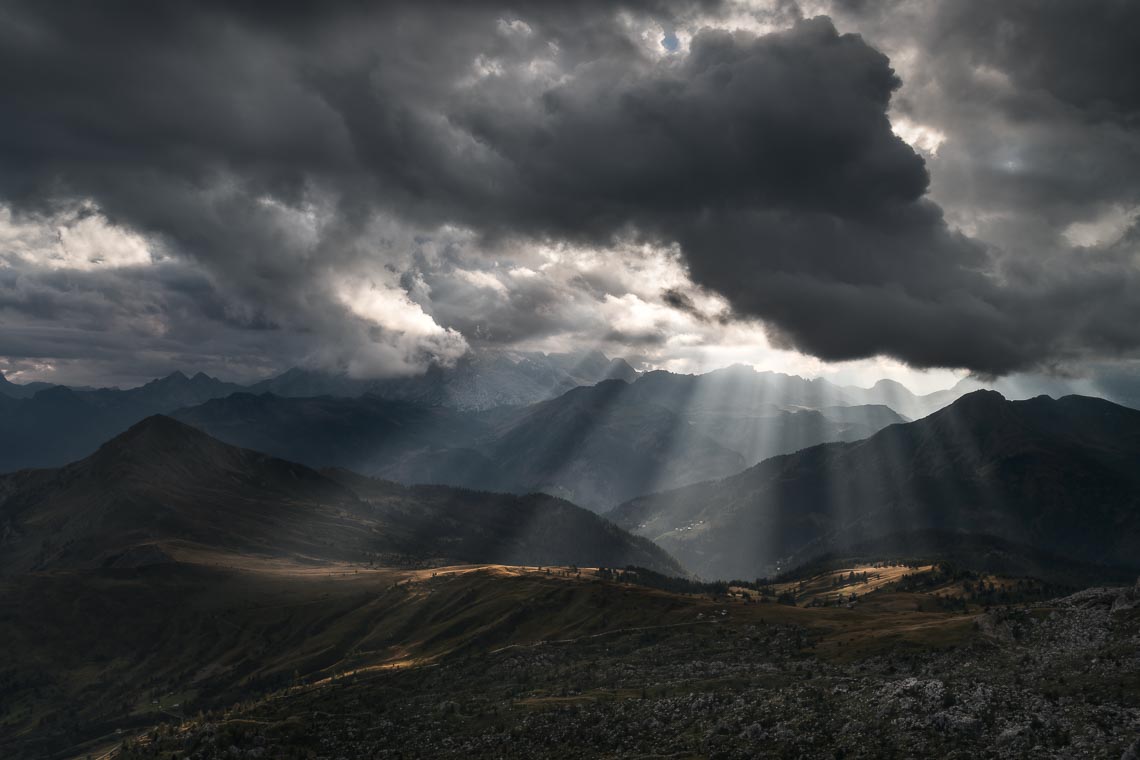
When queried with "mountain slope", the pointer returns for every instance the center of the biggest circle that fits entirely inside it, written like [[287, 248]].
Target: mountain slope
[[354, 433], [762, 414], [165, 481], [47, 426], [478, 381], [600, 445], [477, 526], [587, 445], [903, 400], [595, 445], [740, 388], [14, 390], [1057, 475], [57, 425], [164, 484]]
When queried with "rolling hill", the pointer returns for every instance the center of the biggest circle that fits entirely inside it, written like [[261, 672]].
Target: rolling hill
[[1059, 476]]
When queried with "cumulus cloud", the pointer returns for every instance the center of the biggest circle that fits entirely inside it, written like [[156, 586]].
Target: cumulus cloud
[[78, 238], [405, 335]]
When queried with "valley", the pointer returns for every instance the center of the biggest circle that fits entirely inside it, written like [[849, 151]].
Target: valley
[[582, 380], [175, 596], [1019, 484]]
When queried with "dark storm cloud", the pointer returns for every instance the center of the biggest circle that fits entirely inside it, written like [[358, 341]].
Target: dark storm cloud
[[214, 127], [1038, 104], [265, 141], [1040, 99], [772, 162], [1086, 55]]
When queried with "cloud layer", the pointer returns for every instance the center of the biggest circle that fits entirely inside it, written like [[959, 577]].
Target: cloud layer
[[376, 187]]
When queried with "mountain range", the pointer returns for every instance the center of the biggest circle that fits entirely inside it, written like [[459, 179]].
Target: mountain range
[[64, 424], [479, 380], [594, 445], [8, 389], [1059, 476], [58, 424], [163, 487], [169, 572], [597, 445]]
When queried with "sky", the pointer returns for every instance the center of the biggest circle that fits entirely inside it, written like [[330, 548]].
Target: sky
[[918, 189]]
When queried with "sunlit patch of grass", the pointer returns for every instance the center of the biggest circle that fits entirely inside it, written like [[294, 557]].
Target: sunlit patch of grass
[[840, 584]]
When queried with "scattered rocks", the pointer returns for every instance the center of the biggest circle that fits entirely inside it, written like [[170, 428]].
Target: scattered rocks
[[1042, 682]]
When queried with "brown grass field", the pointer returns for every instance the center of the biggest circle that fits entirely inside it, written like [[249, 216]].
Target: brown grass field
[[139, 645]]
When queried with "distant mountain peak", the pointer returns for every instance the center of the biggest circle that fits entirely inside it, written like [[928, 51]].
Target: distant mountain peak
[[737, 369], [976, 402], [177, 376], [160, 447], [159, 433], [20, 390], [56, 393], [981, 395], [163, 481]]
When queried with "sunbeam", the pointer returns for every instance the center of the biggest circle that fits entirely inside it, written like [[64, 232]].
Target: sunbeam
[[667, 378]]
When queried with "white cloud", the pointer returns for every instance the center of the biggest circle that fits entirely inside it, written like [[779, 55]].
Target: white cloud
[[1107, 228], [407, 338], [921, 137], [515, 28], [79, 238], [487, 281]]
